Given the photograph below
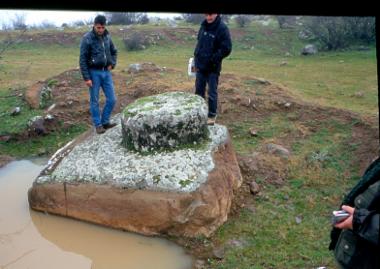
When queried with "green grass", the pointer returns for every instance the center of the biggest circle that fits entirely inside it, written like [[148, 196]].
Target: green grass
[[320, 168], [8, 101], [45, 145], [272, 236], [322, 79]]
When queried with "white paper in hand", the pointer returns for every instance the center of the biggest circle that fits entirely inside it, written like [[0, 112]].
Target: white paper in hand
[[191, 68]]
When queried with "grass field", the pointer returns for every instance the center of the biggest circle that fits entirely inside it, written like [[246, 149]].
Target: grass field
[[289, 226]]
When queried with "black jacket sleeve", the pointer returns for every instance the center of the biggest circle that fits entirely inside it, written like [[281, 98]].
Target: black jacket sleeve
[[84, 57], [113, 52], [224, 48], [366, 225]]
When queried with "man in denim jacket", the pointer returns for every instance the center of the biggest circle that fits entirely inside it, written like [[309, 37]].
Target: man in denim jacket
[[97, 58]]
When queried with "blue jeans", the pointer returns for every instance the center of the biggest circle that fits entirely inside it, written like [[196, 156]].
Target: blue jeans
[[200, 89], [102, 79]]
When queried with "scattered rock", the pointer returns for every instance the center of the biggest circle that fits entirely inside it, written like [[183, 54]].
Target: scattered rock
[[287, 54], [144, 67], [254, 187], [236, 98], [283, 63], [15, 111], [363, 48], [278, 150], [199, 264], [287, 104], [36, 125], [263, 81], [134, 68], [298, 219], [5, 138], [218, 252], [253, 132], [309, 50], [358, 94], [63, 83], [237, 243], [49, 117]]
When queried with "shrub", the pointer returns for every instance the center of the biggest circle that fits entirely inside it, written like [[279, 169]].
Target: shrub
[[242, 20], [286, 21], [126, 18], [193, 18], [333, 33]]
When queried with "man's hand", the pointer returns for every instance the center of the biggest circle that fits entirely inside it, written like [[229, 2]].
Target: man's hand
[[347, 223], [89, 83]]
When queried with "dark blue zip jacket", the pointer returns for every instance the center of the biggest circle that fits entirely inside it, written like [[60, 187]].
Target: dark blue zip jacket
[[214, 44], [96, 52]]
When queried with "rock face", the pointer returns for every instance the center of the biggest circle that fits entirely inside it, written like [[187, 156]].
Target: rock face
[[309, 49], [183, 191], [166, 120]]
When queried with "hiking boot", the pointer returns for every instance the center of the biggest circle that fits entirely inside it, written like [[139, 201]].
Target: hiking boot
[[100, 129], [211, 121], [109, 125]]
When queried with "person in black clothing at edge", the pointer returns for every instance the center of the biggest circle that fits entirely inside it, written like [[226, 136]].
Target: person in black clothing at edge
[[355, 240], [214, 44], [97, 58]]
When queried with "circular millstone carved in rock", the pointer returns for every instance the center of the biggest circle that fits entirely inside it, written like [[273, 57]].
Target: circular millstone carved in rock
[[165, 120]]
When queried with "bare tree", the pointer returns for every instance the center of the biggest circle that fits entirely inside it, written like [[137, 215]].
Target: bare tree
[[47, 25], [242, 20], [126, 18], [286, 21], [18, 22], [11, 41], [194, 18]]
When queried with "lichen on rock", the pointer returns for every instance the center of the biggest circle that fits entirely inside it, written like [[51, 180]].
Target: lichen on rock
[[166, 120], [101, 159]]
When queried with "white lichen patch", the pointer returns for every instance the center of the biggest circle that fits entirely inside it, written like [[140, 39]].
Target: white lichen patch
[[164, 121], [102, 159]]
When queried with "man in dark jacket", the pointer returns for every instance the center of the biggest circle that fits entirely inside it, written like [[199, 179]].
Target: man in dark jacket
[[355, 240], [97, 57], [214, 44]]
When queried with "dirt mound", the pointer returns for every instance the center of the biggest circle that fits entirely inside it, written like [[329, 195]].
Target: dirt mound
[[177, 35], [4, 159], [53, 38]]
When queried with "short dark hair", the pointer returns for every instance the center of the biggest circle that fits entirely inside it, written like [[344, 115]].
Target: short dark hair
[[100, 19]]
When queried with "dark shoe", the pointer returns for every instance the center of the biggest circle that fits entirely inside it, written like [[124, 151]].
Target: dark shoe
[[211, 121], [109, 125], [100, 129]]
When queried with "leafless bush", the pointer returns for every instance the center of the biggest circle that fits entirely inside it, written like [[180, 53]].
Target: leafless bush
[[242, 20], [126, 18], [18, 22], [194, 18], [286, 21]]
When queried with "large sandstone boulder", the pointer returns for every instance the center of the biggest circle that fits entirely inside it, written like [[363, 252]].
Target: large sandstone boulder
[[185, 191]]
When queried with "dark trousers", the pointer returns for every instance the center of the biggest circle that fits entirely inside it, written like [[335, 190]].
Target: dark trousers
[[200, 89]]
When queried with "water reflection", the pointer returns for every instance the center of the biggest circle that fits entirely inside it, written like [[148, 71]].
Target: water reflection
[[30, 239]]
